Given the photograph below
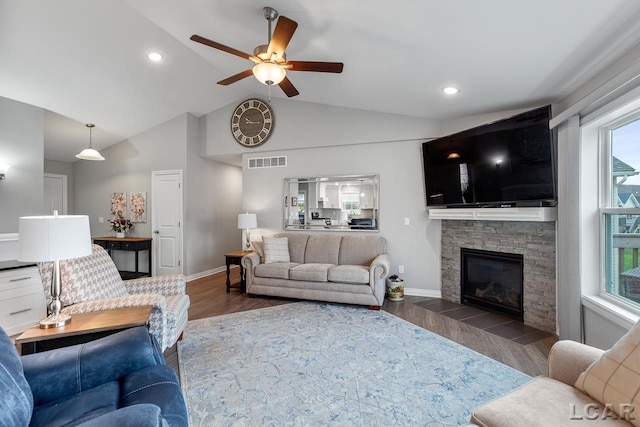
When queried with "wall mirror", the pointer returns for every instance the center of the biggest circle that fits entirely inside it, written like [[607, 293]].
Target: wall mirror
[[340, 203]]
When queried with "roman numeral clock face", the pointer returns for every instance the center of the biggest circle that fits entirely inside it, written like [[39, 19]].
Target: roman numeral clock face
[[252, 122]]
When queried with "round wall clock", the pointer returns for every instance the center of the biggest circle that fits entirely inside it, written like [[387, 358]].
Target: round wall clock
[[252, 122]]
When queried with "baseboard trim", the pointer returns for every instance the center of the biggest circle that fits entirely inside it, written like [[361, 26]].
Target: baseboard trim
[[415, 292], [207, 273]]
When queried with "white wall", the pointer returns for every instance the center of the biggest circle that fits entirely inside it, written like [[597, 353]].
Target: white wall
[[21, 146]]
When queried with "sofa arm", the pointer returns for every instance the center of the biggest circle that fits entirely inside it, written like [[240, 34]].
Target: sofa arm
[[143, 415], [155, 300], [172, 284], [380, 267], [568, 359], [65, 371], [249, 262]]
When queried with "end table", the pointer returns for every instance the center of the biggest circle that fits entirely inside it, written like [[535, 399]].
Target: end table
[[83, 328], [235, 258]]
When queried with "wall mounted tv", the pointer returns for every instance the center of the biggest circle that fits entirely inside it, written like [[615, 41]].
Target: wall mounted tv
[[511, 162]]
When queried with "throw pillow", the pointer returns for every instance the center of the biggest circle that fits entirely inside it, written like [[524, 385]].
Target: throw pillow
[[614, 379], [276, 249]]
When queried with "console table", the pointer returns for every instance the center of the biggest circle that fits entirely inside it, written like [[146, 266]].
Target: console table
[[135, 244]]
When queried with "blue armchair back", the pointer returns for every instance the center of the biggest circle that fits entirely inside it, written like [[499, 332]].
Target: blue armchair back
[[121, 379]]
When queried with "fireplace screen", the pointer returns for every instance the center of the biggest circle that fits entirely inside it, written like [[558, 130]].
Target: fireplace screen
[[492, 280]]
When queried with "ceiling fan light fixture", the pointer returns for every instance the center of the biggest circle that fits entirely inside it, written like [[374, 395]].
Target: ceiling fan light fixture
[[269, 73], [90, 153]]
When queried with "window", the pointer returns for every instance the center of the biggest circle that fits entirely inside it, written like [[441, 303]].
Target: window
[[620, 142], [350, 203]]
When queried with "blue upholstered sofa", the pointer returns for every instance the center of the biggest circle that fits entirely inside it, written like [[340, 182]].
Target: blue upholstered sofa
[[119, 380]]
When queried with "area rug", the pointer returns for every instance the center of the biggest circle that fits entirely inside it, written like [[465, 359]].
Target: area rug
[[314, 364]]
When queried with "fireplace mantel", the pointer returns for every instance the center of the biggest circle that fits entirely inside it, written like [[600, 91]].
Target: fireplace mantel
[[547, 214]]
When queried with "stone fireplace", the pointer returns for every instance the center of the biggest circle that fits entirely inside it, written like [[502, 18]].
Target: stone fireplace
[[534, 241]]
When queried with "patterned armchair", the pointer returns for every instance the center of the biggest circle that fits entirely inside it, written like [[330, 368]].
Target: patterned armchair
[[93, 283]]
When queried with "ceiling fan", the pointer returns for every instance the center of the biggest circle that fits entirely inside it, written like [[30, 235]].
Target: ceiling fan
[[270, 61]]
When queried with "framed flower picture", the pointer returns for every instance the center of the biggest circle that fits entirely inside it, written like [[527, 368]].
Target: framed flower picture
[[118, 205], [138, 206]]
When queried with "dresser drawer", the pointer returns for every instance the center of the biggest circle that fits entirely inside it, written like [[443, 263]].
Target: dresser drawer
[[22, 303], [19, 278]]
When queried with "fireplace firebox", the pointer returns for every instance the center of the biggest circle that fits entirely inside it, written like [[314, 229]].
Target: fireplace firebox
[[492, 280]]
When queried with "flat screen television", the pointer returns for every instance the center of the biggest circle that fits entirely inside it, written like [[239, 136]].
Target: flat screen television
[[508, 163]]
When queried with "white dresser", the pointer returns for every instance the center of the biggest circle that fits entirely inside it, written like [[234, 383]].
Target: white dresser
[[22, 303]]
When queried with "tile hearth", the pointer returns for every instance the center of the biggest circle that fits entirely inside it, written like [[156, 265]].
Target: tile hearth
[[496, 324]]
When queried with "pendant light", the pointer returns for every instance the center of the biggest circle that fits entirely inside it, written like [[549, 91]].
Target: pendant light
[[90, 153]]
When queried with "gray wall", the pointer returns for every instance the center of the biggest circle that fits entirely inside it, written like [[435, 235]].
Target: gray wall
[[213, 199], [326, 140], [63, 168], [211, 190], [21, 146]]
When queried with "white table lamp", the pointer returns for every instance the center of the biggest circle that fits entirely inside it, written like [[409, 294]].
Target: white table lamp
[[247, 221], [54, 238]]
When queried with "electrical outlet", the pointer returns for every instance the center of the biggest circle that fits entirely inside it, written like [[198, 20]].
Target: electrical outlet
[[101, 219], [401, 269], [406, 221]]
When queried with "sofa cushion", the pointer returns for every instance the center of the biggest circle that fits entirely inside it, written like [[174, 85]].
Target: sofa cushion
[[348, 274], [297, 245], [274, 270], [276, 249], [322, 249], [311, 272], [542, 402], [16, 403], [360, 250], [615, 377]]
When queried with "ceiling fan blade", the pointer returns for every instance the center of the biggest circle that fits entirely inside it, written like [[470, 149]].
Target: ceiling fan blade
[[321, 67], [236, 77], [219, 46], [282, 35], [288, 88]]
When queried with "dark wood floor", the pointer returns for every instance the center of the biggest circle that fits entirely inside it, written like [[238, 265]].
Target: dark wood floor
[[209, 298]]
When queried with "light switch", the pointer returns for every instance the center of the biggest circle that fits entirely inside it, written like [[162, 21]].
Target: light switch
[[406, 221], [101, 219]]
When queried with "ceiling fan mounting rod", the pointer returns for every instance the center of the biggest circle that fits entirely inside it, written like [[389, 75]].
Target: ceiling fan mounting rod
[[270, 14]]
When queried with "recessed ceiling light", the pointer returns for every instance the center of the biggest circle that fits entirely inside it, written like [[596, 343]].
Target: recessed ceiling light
[[450, 90], [155, 56]]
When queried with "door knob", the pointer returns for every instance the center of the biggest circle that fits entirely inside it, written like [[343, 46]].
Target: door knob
[[156, 231]]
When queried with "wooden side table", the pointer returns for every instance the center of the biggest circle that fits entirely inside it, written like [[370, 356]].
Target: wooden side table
[[235, 258], [83, 328]]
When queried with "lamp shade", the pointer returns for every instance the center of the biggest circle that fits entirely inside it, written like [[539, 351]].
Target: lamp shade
[[247, 220], [53, 238], [90, 154]]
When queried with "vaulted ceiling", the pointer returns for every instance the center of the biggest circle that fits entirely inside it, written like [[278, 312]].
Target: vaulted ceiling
[[86, 60]]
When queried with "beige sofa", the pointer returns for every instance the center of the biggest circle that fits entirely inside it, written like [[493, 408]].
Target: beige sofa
[[330, 267], [552, 400]]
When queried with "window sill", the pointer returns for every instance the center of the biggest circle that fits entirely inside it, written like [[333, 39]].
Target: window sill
[[620, 314]]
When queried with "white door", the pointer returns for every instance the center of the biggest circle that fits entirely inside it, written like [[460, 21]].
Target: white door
[[166, 222], [55, 193]]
